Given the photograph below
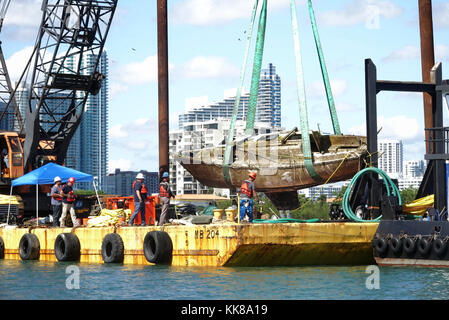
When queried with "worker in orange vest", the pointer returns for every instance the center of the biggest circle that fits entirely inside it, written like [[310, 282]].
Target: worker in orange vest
[[247, 192], [165, 194], [140, 194]]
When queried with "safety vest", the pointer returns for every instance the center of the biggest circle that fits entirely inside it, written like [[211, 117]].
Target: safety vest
[[59, 197], [245, 189], [162, 191], [144, 188]]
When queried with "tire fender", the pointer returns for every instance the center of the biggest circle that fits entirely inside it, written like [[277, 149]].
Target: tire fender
[[396, 245], [29, 247], [439, 247], [112, 248], [409, 246], [67, 247], [380, 245], [424, 246], [158, 247]]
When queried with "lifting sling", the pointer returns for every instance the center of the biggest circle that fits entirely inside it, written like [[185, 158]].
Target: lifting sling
[[257, 64]]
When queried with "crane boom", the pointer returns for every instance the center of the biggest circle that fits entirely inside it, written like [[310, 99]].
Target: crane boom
[[62, 73]]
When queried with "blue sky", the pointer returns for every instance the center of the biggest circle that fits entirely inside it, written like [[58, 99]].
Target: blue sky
[[205, 56]]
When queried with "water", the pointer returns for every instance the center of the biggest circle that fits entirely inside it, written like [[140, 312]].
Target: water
[[47, 280]]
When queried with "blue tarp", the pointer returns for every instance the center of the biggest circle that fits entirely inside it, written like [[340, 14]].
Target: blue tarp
[[46, 174]]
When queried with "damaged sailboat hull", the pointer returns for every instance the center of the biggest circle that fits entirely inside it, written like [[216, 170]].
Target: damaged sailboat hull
[[279, 163]]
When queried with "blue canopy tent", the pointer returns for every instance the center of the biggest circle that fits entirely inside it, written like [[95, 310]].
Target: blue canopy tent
[[45, 175]]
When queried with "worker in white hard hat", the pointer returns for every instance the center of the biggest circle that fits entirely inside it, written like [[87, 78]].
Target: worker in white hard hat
[[56, 200], [140, 194]]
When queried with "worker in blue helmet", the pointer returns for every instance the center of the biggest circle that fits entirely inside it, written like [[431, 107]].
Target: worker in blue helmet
[[165, 194]]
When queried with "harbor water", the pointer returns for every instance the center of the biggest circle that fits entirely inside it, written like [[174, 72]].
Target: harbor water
[[64, 281]]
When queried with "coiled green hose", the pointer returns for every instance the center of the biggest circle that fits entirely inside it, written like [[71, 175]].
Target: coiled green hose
[[388, 183]]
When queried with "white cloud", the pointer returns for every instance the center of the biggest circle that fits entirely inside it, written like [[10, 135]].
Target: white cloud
[[116, 88], [361, 11], [117, 131], [414, 52], [208, 67], [216, 12], [17, 62], [399, 127], [24, 13], [404, 53], [122, 164], [317, 90], [441, 15], [138, 73]]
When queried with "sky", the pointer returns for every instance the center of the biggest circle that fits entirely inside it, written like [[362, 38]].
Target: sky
[[206, 49]]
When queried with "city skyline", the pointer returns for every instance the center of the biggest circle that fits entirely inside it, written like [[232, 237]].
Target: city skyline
[[205, 56]]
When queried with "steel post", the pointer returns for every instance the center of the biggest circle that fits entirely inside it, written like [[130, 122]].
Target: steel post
[[162, 48], [427, 57]]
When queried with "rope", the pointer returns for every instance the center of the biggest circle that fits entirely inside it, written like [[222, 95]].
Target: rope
[[306, 146], [230, 139]]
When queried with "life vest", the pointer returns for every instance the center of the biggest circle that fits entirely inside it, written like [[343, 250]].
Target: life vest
[[59, 197], [245, 189], [71, 197], [162, 191], [143, 189]]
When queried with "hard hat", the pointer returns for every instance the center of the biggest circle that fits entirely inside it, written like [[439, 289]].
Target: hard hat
[[72, 179], [140, 176], [253, 175], [165, 175], [56, 179]]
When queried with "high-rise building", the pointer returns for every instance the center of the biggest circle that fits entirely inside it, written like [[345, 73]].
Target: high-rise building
[[414, 168], [88, 150], [390, 157], [198, 135], [268, 104], [120, 182]]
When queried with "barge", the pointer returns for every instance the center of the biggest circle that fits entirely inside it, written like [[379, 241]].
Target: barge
[[215, 245]]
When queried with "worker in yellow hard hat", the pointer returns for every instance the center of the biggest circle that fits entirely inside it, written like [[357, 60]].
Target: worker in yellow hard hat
[[247, 193]]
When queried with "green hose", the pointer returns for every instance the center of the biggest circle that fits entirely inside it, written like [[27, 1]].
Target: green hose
[[286, 220], [388, 183]]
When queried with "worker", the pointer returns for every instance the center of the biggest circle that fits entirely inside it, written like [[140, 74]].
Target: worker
[[68, 202], [247, 192], [165, 194], [140, 194], [56, 200]]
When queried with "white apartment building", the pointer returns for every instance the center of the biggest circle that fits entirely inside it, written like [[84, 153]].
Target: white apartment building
[[390, 157], [198, 135], [414, 168], [329, 190]]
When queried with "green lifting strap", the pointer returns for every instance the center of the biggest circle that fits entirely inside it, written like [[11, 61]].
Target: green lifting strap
[[330, 98], [306, 146], [230, 137], [254, 93]]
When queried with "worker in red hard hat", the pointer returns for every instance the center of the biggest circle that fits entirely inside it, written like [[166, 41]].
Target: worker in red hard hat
[[68, 202], [247, 193]]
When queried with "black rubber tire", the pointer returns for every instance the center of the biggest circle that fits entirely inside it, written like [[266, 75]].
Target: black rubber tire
[[2, 249], [67, 247], [29, 247], [424, 246], [439, 247], [396, 245], [112, 248], [380, 245], [158, 247], [409, 246]]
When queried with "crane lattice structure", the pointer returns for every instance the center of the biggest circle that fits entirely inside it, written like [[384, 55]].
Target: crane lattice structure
[[62, 72]]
